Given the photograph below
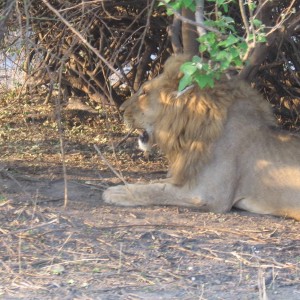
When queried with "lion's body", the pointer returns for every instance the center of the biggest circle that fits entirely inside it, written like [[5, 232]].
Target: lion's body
[[223, 148]]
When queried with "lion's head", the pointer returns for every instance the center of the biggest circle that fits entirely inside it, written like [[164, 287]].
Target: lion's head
[[141, 110], [185, 125]]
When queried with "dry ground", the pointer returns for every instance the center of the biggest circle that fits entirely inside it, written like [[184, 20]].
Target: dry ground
[[89, 250]]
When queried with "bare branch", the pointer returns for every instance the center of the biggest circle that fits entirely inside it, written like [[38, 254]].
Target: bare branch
[[8, 7], [174, 34], [81, 37], [199, 17], [244, 18], [258, 54], [189, 34], [190, 21], [284, 17]]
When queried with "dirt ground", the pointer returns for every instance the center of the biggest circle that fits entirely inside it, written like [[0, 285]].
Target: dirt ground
[[81, 248]]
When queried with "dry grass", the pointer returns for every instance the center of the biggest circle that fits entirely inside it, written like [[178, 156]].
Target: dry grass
[[106, 251], [93, 251]]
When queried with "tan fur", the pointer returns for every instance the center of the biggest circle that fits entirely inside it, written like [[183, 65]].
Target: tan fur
[[206, 135]]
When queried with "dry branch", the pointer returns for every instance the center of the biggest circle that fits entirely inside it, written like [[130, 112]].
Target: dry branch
[[107, 49]]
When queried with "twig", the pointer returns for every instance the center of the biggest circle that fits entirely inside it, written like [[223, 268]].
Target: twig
[[202, 254], [262, 285], [199, 17], [19, 254], [16, 181], [124, 138], [30, 228], [61, 139], [76, 261], [244, 18], [267, 264], [81, 37], [120, 258], [284, 16], [174, 35], [186, 20], [119, 175], [9, 5], [147, 27]]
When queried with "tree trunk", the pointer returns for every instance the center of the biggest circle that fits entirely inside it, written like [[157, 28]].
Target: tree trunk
[[189, 34]]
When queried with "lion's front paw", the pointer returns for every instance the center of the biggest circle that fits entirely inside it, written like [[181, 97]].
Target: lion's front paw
[[119, 195]]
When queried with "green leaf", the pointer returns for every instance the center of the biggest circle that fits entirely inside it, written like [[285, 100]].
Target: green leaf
[[209, 38], [243, 46], [176, 5], [222, 55], [217, 76], [251, 37], [202, 48], [256, 22], [189, 4], [225, 7], [204, 80], [214, 52], [196, 59], [228, 19], [170, 11], [219, 2], [188, 68], [261, 39], [251, 5], [238, 62], [225, 65], [184, 82], [229, 41], [234, 52], [162, 3]]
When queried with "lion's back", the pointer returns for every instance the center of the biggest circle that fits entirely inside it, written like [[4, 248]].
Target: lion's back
[[270, 171]]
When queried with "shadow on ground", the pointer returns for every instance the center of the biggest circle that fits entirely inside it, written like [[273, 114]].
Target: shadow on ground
[[88, 250]]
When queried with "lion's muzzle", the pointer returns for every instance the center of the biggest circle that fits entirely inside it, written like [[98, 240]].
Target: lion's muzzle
[[144, 141], [144, 137]]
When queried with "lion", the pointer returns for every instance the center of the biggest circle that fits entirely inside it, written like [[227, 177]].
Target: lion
[[223, 146]]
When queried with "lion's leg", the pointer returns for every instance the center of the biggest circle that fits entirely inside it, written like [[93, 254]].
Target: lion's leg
[[150, 194]]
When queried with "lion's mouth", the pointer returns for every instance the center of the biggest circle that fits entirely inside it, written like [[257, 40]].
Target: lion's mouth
[[144, 141]]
